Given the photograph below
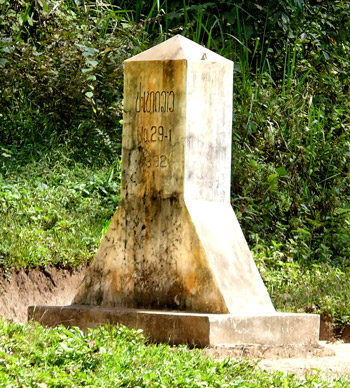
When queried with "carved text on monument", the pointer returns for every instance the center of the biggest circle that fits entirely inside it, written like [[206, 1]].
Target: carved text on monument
[[154, 101], [154, 134], [156, 161]]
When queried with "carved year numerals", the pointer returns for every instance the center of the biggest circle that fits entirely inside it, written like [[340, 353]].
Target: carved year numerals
[[154, 134], [157, 161]]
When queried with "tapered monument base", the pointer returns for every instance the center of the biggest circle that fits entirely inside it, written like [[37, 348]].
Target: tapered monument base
[[194, 329]]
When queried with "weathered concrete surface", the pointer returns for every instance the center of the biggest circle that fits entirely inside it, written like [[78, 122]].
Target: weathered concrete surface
[[174, 242], [276, 329], [189, 328]]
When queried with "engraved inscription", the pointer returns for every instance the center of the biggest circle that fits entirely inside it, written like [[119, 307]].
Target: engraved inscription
[[156, 161], [154, 134], [154, 101]]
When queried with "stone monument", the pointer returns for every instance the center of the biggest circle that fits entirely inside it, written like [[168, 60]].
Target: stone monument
[[174, 260]]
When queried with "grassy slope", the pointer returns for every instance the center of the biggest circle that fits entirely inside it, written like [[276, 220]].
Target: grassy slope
[[32, 356], [54, 209]]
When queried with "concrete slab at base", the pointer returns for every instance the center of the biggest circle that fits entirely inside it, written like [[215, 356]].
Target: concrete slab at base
[[194, 329]]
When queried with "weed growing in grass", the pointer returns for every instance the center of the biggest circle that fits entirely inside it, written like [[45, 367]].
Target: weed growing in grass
[[33, 356]]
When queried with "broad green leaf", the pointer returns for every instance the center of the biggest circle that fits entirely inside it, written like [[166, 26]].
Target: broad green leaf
[[44, 5], [20, 19], [281, 171], [304, 231], [272, 180], [3, 62], [92, 63]]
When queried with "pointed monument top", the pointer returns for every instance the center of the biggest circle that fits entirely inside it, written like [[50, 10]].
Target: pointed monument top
[[177, 47]]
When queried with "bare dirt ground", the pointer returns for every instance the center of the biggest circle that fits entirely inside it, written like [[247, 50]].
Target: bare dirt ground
[[331, 360], [20, 289], [329, 366]]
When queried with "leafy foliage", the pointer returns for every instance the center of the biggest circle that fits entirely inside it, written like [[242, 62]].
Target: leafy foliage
[[36, 357], [61, 76]]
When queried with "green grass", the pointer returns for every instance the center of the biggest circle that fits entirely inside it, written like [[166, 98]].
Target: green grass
[[53, 209], [319, 289], [32, 356]]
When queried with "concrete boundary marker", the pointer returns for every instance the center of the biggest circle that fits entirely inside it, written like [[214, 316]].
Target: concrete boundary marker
[[174, 261]]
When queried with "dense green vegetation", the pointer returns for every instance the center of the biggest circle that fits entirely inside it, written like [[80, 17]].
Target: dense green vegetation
[[55, 210], [61, 117], [31, 356]]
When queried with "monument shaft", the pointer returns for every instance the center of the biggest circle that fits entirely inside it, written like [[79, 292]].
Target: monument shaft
[[174, 242]]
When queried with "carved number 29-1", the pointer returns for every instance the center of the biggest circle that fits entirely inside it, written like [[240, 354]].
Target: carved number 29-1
[[154, 134]]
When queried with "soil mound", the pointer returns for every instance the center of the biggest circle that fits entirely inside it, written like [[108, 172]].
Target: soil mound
[[52, 286]]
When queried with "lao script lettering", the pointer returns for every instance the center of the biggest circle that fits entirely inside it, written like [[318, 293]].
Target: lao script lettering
[[154, 101]]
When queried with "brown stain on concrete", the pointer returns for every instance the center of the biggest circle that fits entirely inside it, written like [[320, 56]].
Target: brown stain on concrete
[[163, 274]]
